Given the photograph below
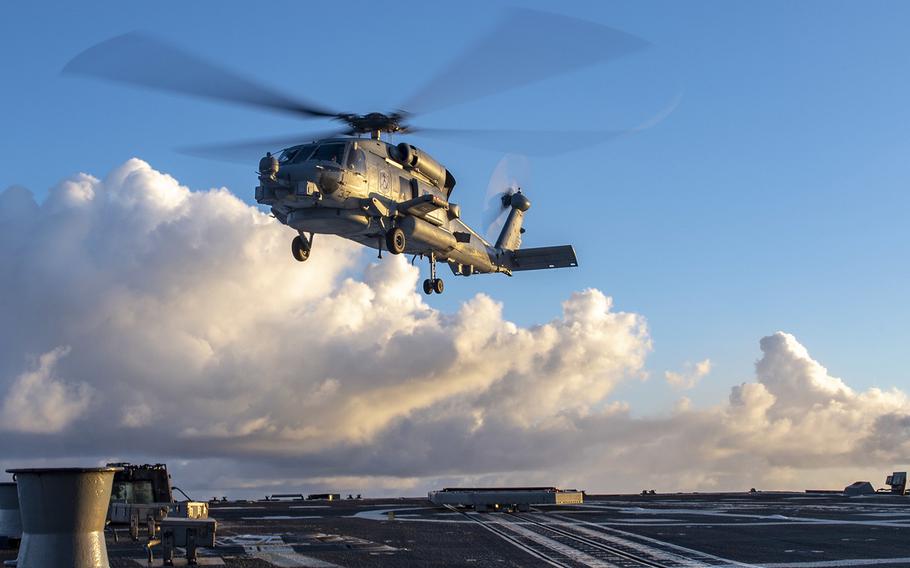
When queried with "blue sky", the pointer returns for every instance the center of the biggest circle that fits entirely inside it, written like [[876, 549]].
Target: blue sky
[[774, 197]]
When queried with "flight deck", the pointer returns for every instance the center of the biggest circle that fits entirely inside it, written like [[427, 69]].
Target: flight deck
[[777, 530]]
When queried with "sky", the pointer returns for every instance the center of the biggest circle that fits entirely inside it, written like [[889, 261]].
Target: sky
[[742, 261]]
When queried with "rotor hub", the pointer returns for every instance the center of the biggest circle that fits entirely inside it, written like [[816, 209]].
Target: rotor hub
[[374, 122]]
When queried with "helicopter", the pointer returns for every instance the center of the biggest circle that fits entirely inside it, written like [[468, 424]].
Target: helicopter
[[394, 198], [352, 181]]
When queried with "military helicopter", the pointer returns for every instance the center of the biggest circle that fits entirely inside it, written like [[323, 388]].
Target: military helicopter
[[354, 183], [396, 198]]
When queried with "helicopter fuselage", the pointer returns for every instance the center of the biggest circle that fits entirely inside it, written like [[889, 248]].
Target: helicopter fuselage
[[361, 188], [393, 198]]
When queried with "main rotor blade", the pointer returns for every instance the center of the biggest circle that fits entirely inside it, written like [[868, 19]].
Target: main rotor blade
[[540, 142], [528, 142], [524, 47], [249, 151], [139, 59]]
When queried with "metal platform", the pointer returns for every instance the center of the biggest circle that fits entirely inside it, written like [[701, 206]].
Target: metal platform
[[484, 499]]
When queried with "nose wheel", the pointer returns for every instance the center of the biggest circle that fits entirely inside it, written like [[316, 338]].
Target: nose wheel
[[433, 284], [300, 247]]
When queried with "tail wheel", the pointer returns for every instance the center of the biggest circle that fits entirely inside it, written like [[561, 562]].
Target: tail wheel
[[438, 286], [395, 241], [300, 248], [427, 286]]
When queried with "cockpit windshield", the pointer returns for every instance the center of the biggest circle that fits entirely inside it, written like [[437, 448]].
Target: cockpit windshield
[[295, 154], [333, 152], [287, 155]]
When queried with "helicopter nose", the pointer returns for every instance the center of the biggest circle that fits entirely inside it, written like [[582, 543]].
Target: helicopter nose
[[328, 178]]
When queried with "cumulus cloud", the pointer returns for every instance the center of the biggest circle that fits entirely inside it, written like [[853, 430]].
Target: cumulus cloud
[[690, 375], [193, 337], [793, 426], [39, 402], [185, 313]]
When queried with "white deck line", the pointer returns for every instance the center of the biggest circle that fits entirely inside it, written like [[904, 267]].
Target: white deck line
[[834, 563], [724, 561], [286, 557], [514, 542], [569, 552], [655, 553], [281, 517]]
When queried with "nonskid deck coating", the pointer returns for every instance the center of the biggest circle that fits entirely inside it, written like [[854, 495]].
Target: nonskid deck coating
[[778, 530]]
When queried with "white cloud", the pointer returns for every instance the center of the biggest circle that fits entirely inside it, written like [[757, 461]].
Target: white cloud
[[135, 415], [186, 314], [690, 376], [794, 427], [38, 402], [192, 325]]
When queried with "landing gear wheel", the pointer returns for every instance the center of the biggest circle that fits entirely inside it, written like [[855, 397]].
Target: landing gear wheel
[[433, 284], [395, 241], [300, 248]]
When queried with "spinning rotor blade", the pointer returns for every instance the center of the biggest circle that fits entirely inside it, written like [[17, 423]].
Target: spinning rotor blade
[[139, 59], [540, 142], [527, 142], [525, 46], [248, 151], [507, 178]]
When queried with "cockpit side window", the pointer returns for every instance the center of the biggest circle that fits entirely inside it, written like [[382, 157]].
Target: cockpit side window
[[330, 152], [357, 160]]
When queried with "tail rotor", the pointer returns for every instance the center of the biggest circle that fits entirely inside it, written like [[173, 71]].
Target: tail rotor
[[508, 179]]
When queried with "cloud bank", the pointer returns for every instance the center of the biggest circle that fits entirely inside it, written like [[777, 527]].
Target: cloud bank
[[142, 320]]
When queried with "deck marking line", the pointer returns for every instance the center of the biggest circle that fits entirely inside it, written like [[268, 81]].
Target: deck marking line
[[834, 563], [726, 561], [656, 553], [509, 539], [570, 552]]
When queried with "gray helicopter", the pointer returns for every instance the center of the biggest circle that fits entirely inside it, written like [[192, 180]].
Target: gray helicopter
[[353, 183], [394, 198]]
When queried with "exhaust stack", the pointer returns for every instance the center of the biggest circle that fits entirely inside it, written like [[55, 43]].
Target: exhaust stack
[[63, 512]]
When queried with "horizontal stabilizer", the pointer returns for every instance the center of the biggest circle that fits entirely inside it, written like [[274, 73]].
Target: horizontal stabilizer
[[423, 205], [542, 258]]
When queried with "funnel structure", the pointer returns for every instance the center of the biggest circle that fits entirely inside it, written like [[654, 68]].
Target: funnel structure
[[63, 512], [10, 525]]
